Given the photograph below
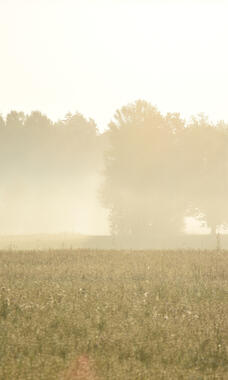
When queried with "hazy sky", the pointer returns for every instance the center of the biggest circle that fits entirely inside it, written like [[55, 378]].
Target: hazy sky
[[95, 56]]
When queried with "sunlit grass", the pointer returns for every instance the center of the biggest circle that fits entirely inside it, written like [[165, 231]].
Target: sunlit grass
[[136, 315]]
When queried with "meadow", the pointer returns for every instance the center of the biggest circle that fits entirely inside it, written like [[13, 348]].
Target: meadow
[[127, 314]]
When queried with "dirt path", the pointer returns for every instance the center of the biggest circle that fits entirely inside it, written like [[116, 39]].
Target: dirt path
[[81, 369]]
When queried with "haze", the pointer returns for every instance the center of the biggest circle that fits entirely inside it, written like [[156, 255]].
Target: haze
[[93, 57]]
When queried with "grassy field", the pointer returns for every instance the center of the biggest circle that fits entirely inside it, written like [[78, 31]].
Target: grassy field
[[126, 315]]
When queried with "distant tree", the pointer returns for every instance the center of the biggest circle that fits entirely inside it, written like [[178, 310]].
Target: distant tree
[[48, 168], [158, 169], [2, 122], [37, 120], [141, 172], [15, 119], [205, 148], [77, 144]]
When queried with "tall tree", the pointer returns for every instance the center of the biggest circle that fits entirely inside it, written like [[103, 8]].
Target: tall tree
[[141, 172], [205, 149]]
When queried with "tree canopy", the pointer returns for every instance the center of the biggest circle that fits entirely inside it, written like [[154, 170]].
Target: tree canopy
[[48, 170], [159, 169]]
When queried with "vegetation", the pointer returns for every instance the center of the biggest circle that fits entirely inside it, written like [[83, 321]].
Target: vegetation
[[133, 315], [160, 169], [48, 170], [151, 171]]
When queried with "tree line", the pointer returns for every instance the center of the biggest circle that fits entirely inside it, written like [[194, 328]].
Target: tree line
[[49, 171], [157, 169]]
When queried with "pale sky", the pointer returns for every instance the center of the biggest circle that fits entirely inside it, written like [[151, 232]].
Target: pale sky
[[94, 56]]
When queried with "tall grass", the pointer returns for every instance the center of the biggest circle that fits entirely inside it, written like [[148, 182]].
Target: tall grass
[[134, 315]]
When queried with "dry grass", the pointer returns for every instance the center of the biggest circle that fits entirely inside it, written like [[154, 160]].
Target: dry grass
[[113, 315]]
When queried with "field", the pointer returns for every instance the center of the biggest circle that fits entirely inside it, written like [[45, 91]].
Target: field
[[84, 314]]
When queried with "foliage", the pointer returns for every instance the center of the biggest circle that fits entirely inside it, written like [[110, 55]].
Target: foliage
[[45, 165], [206, 164], [158, 169], [138, 164]]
